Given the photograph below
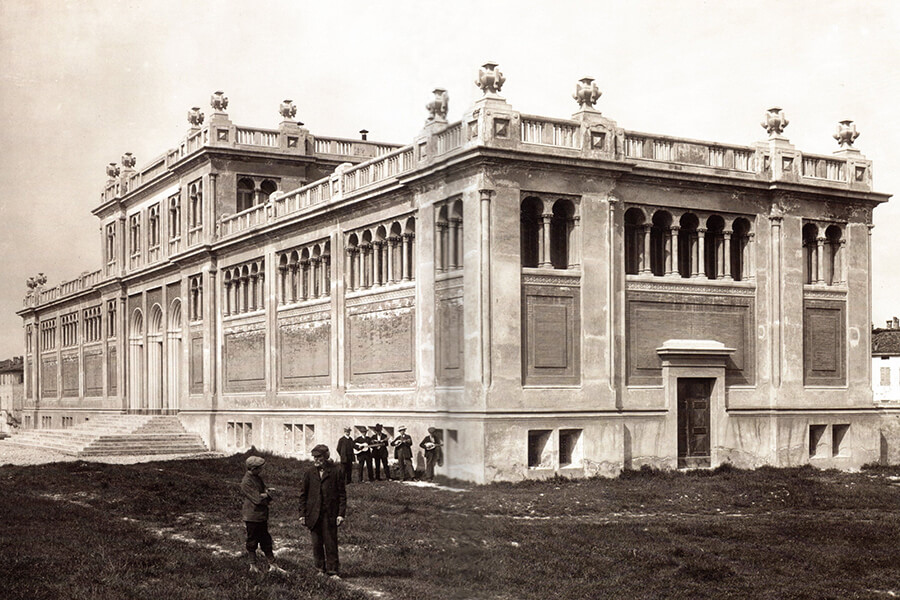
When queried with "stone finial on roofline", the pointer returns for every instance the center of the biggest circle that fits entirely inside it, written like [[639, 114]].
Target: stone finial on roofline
[[775, 121], [438, 107], [490, 79], [288, 109], [112, 170], [846, 133], [128, 160], [195, 116], [218, 101], [586, 92]]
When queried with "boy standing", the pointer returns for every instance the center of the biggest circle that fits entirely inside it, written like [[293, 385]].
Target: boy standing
[[255, 513]]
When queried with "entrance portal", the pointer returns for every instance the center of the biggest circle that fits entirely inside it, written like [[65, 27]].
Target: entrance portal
[[693, 422]]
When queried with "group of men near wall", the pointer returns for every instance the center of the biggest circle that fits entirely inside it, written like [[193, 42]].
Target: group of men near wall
[[370, 451]]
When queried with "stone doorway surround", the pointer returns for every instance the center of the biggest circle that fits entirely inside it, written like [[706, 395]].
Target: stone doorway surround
[[694, 359]]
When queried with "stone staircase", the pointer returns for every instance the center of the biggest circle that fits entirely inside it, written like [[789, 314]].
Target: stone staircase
[[116, 435]]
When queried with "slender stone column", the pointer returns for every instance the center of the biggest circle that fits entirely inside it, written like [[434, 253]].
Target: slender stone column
[[820, 260], [391, 252], [545, 240], [326, 274], [574, 244], [226, 310], [485, 300], [839, 275], [283, 280], [775, 343], [750, 253], [351, 284], [360, 267], [645, 255], [454, 262], [701, 252], [441, 239], [404, 257], [727, 260], [379, 276], [673, 247]]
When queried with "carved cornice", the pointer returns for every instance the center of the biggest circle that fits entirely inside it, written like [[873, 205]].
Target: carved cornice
[[555, 280], [403, 293], [670, 287], [305, 321], [830, 294], [397, 305], [247, 329], [296, 311]]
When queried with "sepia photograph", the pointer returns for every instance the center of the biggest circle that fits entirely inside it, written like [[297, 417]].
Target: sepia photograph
[[466, 300]]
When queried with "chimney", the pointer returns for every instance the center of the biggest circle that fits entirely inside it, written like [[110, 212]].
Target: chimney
[[364, 133], [896, 323], [889, 324]]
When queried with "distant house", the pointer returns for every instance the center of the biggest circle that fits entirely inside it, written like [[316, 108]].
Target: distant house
[[11, 393], [886, 362]]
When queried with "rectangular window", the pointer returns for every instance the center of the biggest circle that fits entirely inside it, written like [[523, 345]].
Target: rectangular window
[[111, 318], [569, 447], [238, 434], [298, 438], [196, 299], [539, 448], [46, 422], [69, 324], [48, 334], [67, 422], [885, 377], [838, 435], [816, 440], [153, 227], [93, 329], [29, 342], [111, 244]]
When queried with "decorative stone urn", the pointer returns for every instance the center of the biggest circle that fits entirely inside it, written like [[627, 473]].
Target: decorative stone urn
[[195, 116], [586, 92], [775, 121], [288, 109], [437, 108], [128, 160], [112, 171], [846, 133], [490, 79], [218, 101], [36, 282]]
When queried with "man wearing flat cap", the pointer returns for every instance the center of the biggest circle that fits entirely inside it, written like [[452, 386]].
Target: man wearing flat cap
[[345, 454], [403, 453], [255, 513], [323, 505], [432, 443]]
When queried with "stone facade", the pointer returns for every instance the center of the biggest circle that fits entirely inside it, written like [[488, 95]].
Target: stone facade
[[555, 295], [11, 394]]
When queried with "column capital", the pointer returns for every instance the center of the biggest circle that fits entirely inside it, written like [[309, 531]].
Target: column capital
[[486, 194]]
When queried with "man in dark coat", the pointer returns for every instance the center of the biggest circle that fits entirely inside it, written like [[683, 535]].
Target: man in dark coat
[[364, 456], [379, 445], [255, 513], [403, 453], [432, 443], [323, 504], [345, 454]]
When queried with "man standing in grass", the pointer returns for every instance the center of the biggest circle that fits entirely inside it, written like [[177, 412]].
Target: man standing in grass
[[323, 504], [380, 452], [403, 452], [255, 513], [433, 453], [345, 453]]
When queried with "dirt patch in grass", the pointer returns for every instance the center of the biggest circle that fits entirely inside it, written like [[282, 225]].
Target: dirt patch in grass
[[174, 528]]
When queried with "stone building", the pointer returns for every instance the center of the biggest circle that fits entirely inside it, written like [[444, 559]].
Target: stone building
[[886, 363], [555, 295], [11, 394]]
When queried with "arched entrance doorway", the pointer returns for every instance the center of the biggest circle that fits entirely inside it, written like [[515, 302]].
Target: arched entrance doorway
[[136, 361], [173, 355], [154, 359]]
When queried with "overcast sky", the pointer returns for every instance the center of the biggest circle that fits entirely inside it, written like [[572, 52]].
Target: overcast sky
[[84, 81]]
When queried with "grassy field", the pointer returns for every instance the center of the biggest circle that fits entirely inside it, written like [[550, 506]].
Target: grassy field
[[172, 530]]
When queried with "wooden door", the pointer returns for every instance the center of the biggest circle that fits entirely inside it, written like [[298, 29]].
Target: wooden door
[[693, 423]]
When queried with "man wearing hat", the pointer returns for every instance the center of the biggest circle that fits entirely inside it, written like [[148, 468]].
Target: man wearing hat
[[380, 452], [433, 454], [323, 504], [403, 452], [255, 513], [345, 453]]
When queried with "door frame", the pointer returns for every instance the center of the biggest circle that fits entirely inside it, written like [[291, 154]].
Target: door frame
[[694, 359]]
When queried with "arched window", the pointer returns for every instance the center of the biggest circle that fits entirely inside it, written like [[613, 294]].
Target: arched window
[[688, 258], [714, 248], [833, 258], [267, 188], [530, 231], [196, 198], [175, 217], [456, 235], [810, 253], [245, 194], [740, 250], [561, 226], [661, 243], [634, 240]]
